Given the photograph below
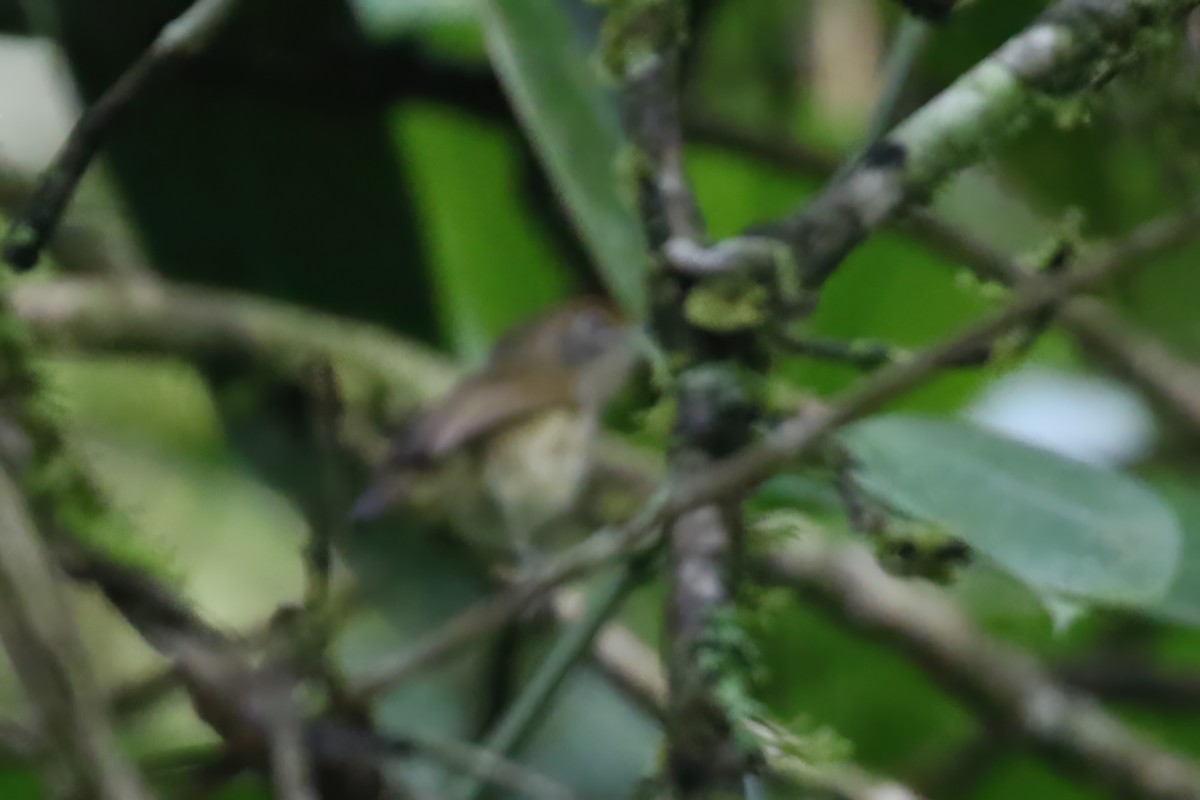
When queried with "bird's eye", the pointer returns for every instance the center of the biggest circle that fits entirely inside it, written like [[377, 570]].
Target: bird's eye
[[587, 335], [586, 323]]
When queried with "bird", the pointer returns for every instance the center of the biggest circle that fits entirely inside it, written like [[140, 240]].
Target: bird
[[504, 456]]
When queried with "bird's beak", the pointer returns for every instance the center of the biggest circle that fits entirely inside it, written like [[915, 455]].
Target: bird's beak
[[372, 503]]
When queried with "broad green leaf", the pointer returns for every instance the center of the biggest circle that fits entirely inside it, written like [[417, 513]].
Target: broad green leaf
[[551, 81], [1067, 529]]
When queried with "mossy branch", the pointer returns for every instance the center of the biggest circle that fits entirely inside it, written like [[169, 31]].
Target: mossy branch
[[62, 496], [43, 644], [1070, 51]]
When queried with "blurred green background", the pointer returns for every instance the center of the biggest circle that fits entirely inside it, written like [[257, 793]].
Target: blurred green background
[[362, 159]]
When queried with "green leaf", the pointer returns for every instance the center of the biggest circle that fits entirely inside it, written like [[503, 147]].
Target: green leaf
[[392, 18], [556, 91], [1182, 603], [498, 268], [1067, 529]]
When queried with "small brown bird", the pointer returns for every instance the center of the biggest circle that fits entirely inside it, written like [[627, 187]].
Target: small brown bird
[[506, 453]]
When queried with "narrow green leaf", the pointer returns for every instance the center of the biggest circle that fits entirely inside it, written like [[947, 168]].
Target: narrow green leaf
[[1067, 529], [498, 269], [552, 83]]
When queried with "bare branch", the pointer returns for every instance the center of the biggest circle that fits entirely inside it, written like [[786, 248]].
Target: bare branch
[[1004, 684], [253, 710], [156, 317], [178, 40], [492, 613], [489, 767], [800, 434], [283, 721], [651, 115], [1130, 351], [43, 644], [80, 246], [573, 645], [289, 762], [326, 507]]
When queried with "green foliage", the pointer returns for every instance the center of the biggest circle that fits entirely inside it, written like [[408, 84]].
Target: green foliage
[[1068, 530], [415, 211], [63, 497], [917, 549], [573, 124], [728, 305], [729, 658], [636, 30], [499, 268], [819, 672], [19, 782], [1182, 602]]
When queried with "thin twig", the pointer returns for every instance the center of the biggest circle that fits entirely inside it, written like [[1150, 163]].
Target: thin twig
[[284, 723], [476, 621], [289, 763], [783, 446], [179, 39], [802, 433], [139, 694], [81, 246], [840, 780], [573, 644], [635, 669], [630, 665], [326, 514], [43, 645], [906, 49], [1043, 66], [488, 767], [494, 612], [1127, 349], [1005, 684], [178, 319], [1130, 351], [250, 707]]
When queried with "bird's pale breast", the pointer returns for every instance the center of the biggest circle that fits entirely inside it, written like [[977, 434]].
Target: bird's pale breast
[[537, 469]]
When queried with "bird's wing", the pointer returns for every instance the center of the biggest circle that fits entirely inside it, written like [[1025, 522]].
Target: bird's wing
[[482, 404]]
